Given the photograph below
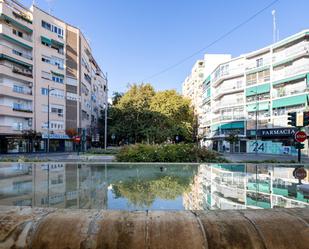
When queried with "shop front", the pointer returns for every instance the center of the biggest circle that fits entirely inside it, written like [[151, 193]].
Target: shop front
[[229, 137], [278, 141], [57, 142]]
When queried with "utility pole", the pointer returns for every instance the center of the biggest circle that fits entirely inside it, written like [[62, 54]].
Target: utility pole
[[105, 114]]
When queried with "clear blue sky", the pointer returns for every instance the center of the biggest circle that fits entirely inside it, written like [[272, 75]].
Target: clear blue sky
[[133, 39]]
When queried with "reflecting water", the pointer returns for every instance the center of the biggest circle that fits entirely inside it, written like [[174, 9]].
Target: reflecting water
[[152, 186]]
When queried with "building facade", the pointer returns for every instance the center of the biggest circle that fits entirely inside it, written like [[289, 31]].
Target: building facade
[[43, 56], [192, 87], [246, 99]]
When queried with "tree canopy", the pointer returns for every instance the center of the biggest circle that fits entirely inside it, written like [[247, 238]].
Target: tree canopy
[[143, 115]]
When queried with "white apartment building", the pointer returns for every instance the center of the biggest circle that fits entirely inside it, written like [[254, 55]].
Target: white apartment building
[[41, 52], [248, 97], [192, 87]]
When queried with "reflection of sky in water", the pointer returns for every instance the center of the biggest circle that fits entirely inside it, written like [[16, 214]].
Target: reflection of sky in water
[[146, 187], [158, 204]]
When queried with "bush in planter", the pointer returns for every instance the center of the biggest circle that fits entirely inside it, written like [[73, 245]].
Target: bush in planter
[[167, 153]]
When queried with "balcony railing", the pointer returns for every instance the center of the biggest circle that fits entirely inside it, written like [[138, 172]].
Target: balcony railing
[[24, 72], [230, 72], [223, 90], [289, 71], [23, 90], [284, 93], [292, 51], [10, 51]]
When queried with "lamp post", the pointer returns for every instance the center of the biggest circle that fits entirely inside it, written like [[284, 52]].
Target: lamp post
[[48, 91], [105, 113], [256, 118]]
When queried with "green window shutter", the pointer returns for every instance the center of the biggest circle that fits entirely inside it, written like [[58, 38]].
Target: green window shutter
[[57, 74], [300, 76], [265, 88], [290, 101], [263, 106], [46, 40], [59, 44], [10, 39], [307, 79]]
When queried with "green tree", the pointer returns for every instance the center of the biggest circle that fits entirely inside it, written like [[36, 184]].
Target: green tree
[[143, 116]]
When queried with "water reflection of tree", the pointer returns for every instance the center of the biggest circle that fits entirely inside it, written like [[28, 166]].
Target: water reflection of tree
[[143, 192]]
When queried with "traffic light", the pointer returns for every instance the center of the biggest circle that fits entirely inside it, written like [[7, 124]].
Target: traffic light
[[299, 146], [292, 118], [306, 119]]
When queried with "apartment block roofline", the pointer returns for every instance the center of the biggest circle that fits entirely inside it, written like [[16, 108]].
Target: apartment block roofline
[[17, 3], [264, 49]]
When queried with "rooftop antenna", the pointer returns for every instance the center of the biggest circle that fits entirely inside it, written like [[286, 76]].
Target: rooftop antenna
[[274, 25], [49, 3]]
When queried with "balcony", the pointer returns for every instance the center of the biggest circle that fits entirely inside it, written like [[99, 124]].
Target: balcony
[[14, 11], [227, 90], [21, 74], [25, 94], [15, 112], [18, 55], [294, 51], [289, 71], [22, 71], [252, 64], [284, 93], [6, 129], [231, 73], [7, 34], [222, 104]]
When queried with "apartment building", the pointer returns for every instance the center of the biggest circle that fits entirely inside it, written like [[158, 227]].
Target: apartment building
[[246, 99], [43, 56], [192, 87], [244, 187]]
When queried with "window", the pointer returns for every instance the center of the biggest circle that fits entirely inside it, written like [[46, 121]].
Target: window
[[46, 59], [53, 28], [57, 79], [44, 91], [259, 62], [46, 25], [18, 89], [17, 33]]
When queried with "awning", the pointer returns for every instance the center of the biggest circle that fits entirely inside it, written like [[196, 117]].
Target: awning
[[15, 23], [290, 101], [57, 74], [10, 39], [297, 77], [59, 44], [263, 106], [232, 125], [5, 57], [46, 40], [265, 88]]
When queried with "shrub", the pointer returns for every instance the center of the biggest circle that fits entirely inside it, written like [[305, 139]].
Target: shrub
[[167, 153], [102, 151]]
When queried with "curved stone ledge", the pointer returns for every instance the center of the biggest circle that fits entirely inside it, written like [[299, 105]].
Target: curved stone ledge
[[25, 227]]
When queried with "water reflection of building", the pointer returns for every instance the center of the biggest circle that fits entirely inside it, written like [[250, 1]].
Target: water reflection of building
[[245, 186], [53, 184]]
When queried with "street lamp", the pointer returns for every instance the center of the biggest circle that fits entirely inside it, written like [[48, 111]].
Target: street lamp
[[48, 91], [105, 113], [256, 118]]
